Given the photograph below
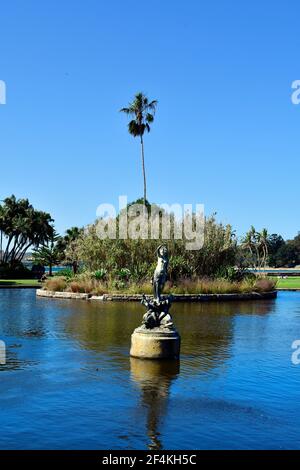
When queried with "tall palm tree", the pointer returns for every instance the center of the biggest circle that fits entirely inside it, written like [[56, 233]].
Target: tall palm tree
[[142, 110]]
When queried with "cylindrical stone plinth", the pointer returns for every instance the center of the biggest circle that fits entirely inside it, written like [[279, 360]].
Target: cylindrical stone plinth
[[156, 343]]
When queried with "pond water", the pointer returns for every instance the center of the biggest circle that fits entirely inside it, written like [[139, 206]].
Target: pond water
[[69, 382]]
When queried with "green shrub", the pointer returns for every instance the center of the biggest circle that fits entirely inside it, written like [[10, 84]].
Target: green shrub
[[232, 273], [67, 272], [18, 272], [123, 274], [100, 274]]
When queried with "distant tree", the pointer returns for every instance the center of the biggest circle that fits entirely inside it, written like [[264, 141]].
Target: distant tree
[[295, 243], [23, 227], [276, 242], [263, 246], [142, 110], [49, 254], [287, 256], [70, 247], [250, 244], [283, 253], [257, 245]]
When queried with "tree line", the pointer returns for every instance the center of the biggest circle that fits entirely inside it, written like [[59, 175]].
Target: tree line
[[24, 228], [259, 249]]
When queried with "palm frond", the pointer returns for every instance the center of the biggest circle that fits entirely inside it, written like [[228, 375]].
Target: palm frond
[[152, 105], [126, 110], [149, 117], [140, 109], [134, 128]]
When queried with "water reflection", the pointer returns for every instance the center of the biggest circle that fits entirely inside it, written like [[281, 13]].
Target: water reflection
[[10, 360], [206, 329], [102, 326], [154, 379], [68, 371]]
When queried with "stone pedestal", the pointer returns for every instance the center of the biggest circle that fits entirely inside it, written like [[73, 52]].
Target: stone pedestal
[[155, 343]]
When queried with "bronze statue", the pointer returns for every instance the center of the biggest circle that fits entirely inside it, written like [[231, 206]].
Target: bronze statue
[[161, 271], [157, 315]]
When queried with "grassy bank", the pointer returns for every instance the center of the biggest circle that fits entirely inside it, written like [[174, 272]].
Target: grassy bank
[[288, 283], [19, 283], [189, 287]]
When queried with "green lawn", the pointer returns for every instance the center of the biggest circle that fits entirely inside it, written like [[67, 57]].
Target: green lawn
[[288, 283], [18, 282]]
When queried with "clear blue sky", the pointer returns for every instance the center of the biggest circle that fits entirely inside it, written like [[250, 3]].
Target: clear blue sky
[[226, 133]]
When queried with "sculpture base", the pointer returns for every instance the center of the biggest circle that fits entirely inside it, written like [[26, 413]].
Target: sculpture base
[[155, 343]]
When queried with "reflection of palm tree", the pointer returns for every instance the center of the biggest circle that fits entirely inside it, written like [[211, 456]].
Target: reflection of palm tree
[[154, 378]]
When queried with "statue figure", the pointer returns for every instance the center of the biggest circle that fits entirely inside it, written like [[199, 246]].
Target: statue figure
[[161, 271], [157, 315], [157, 337]]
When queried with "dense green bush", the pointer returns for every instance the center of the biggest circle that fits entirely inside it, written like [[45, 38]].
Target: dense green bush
[[136, 259], [100, 275], [19, 271], [66, 272], [235, 274]]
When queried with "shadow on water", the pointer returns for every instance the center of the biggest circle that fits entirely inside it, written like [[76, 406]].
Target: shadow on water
[[154, 379]]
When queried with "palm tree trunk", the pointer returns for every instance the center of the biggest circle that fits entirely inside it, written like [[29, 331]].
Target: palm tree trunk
[[144, 171], [74, 267]]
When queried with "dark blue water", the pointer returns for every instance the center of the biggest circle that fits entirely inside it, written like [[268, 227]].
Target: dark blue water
[[70, 384]]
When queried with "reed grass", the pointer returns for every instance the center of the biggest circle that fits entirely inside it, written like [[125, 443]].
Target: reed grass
[[86, 284]]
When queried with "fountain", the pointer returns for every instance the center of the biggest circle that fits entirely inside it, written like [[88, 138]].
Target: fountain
[[157, 337]]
